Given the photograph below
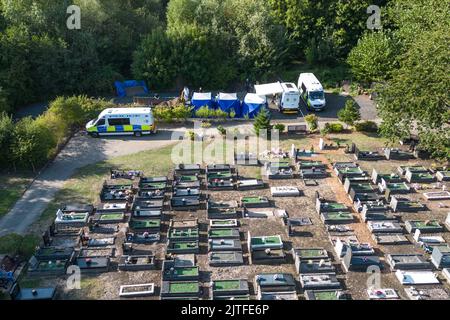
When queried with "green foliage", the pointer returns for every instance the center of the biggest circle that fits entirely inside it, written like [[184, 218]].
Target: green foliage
[[313, 121], [332, 128], [366, 126], [350, 114], [169, 114], [206, 124], [373, 58], [205, 112], [222, 130], [232, 114], [220, 114], [6, 132], [280, 127], [14, 244], [182, 112], [191, 135], [262, 122]]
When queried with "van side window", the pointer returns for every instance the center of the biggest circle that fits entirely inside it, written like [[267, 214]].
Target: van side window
[[119, 122], [100, 122]]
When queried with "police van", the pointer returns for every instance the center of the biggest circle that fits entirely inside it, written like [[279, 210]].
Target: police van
[[122, 121], [311, 91], [287, 95]]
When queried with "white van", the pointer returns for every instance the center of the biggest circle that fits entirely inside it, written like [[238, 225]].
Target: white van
[[122, 121], [311, 91], [288, 95]]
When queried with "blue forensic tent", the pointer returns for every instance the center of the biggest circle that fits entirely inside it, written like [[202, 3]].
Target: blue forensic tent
[[121, 87], [252, 104], [201, 99], [228, 102]]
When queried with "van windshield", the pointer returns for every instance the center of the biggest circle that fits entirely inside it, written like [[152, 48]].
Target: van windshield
[[316, 95], [100, 122]]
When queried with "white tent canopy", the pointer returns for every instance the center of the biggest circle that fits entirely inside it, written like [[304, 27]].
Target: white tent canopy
[[269, 89], [227, 96], [255, 99], [201, 96]]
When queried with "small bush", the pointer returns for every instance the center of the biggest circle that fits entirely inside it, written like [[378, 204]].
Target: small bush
[[336, 128], [222, 130], [181, 112], [312, 121], [280, 127], [220, 114], [191, 135], [366, 126], [164, 114], [206, 124], [232, 114]]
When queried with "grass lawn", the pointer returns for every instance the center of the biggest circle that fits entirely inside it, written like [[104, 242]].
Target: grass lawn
[[16, 244], [11, 189]]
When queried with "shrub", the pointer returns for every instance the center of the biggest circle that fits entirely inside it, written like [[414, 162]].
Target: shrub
[[366, 126], [182, 112], [350, 114], [220, 114], [222, 130], [280, 127], [262, 122], [191, 135], [232, 114], [312, 121], [6, 133], [336, 128], [206, 124], [204, 112]]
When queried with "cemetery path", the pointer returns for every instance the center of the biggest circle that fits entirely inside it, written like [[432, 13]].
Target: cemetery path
[[81, 151]]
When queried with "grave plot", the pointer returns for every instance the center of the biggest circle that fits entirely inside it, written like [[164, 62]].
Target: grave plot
[[294, 224], [348, 170], [384, 227], [29, 294], [183, 234], [351, 262], [263, 213], [310, 182], [440, 195], [309, 254], [443, 175], [249, 184], [382, 294], [415, 169], [182, 247], [97, 252], [142, 205], [403, 204], [184, 182], [390, 239], [173, 272], [137, 263], [224, 245], [215, 168], [325, 295], [419, 177], [150, 214], [116, 193], [62, 240], [151, 194], [185, 203], [93, 264], [222, 209], [372, 206], [387, 177], [306, 164], [342, 244], [273, 284], [78, 208], [122, 174], [255, 202], [363, 184], [427, 240], [394, 187], [427, 293], [397, 154], [313, 173], [144, 180], [407, 277], [266, 249], [279, 170], [337, 217], [224, 259], [441, 257], [377, 216], [137, 290], [365, 155], [143, 237], [427, 226], [151, 225], [99, 242], [361, 197], [285, 191], [223, 223], [339, 229], [311, 281], [71, 220], [278, 296], [227, 289], [407, 262], [153, 187], [305, 265], [246, 159], [111, 208], [108, 218], [220, 180], [54, 253], [45, 268], [174, 289], [187, 169], [323, 205], [220, 233]]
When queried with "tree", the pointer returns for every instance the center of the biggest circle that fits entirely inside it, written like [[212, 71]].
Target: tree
[[312, 121], [350, 114], [262, 122], [6, 130], [373, 58]]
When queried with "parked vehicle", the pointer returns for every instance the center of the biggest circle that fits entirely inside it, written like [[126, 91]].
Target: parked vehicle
[[122, 121], [287, 95], [311, 91]]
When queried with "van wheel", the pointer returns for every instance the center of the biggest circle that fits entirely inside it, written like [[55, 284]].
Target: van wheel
[[138, 134], [94, 134]]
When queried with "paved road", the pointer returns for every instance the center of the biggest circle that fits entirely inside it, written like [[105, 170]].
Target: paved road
[[79, 152]]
